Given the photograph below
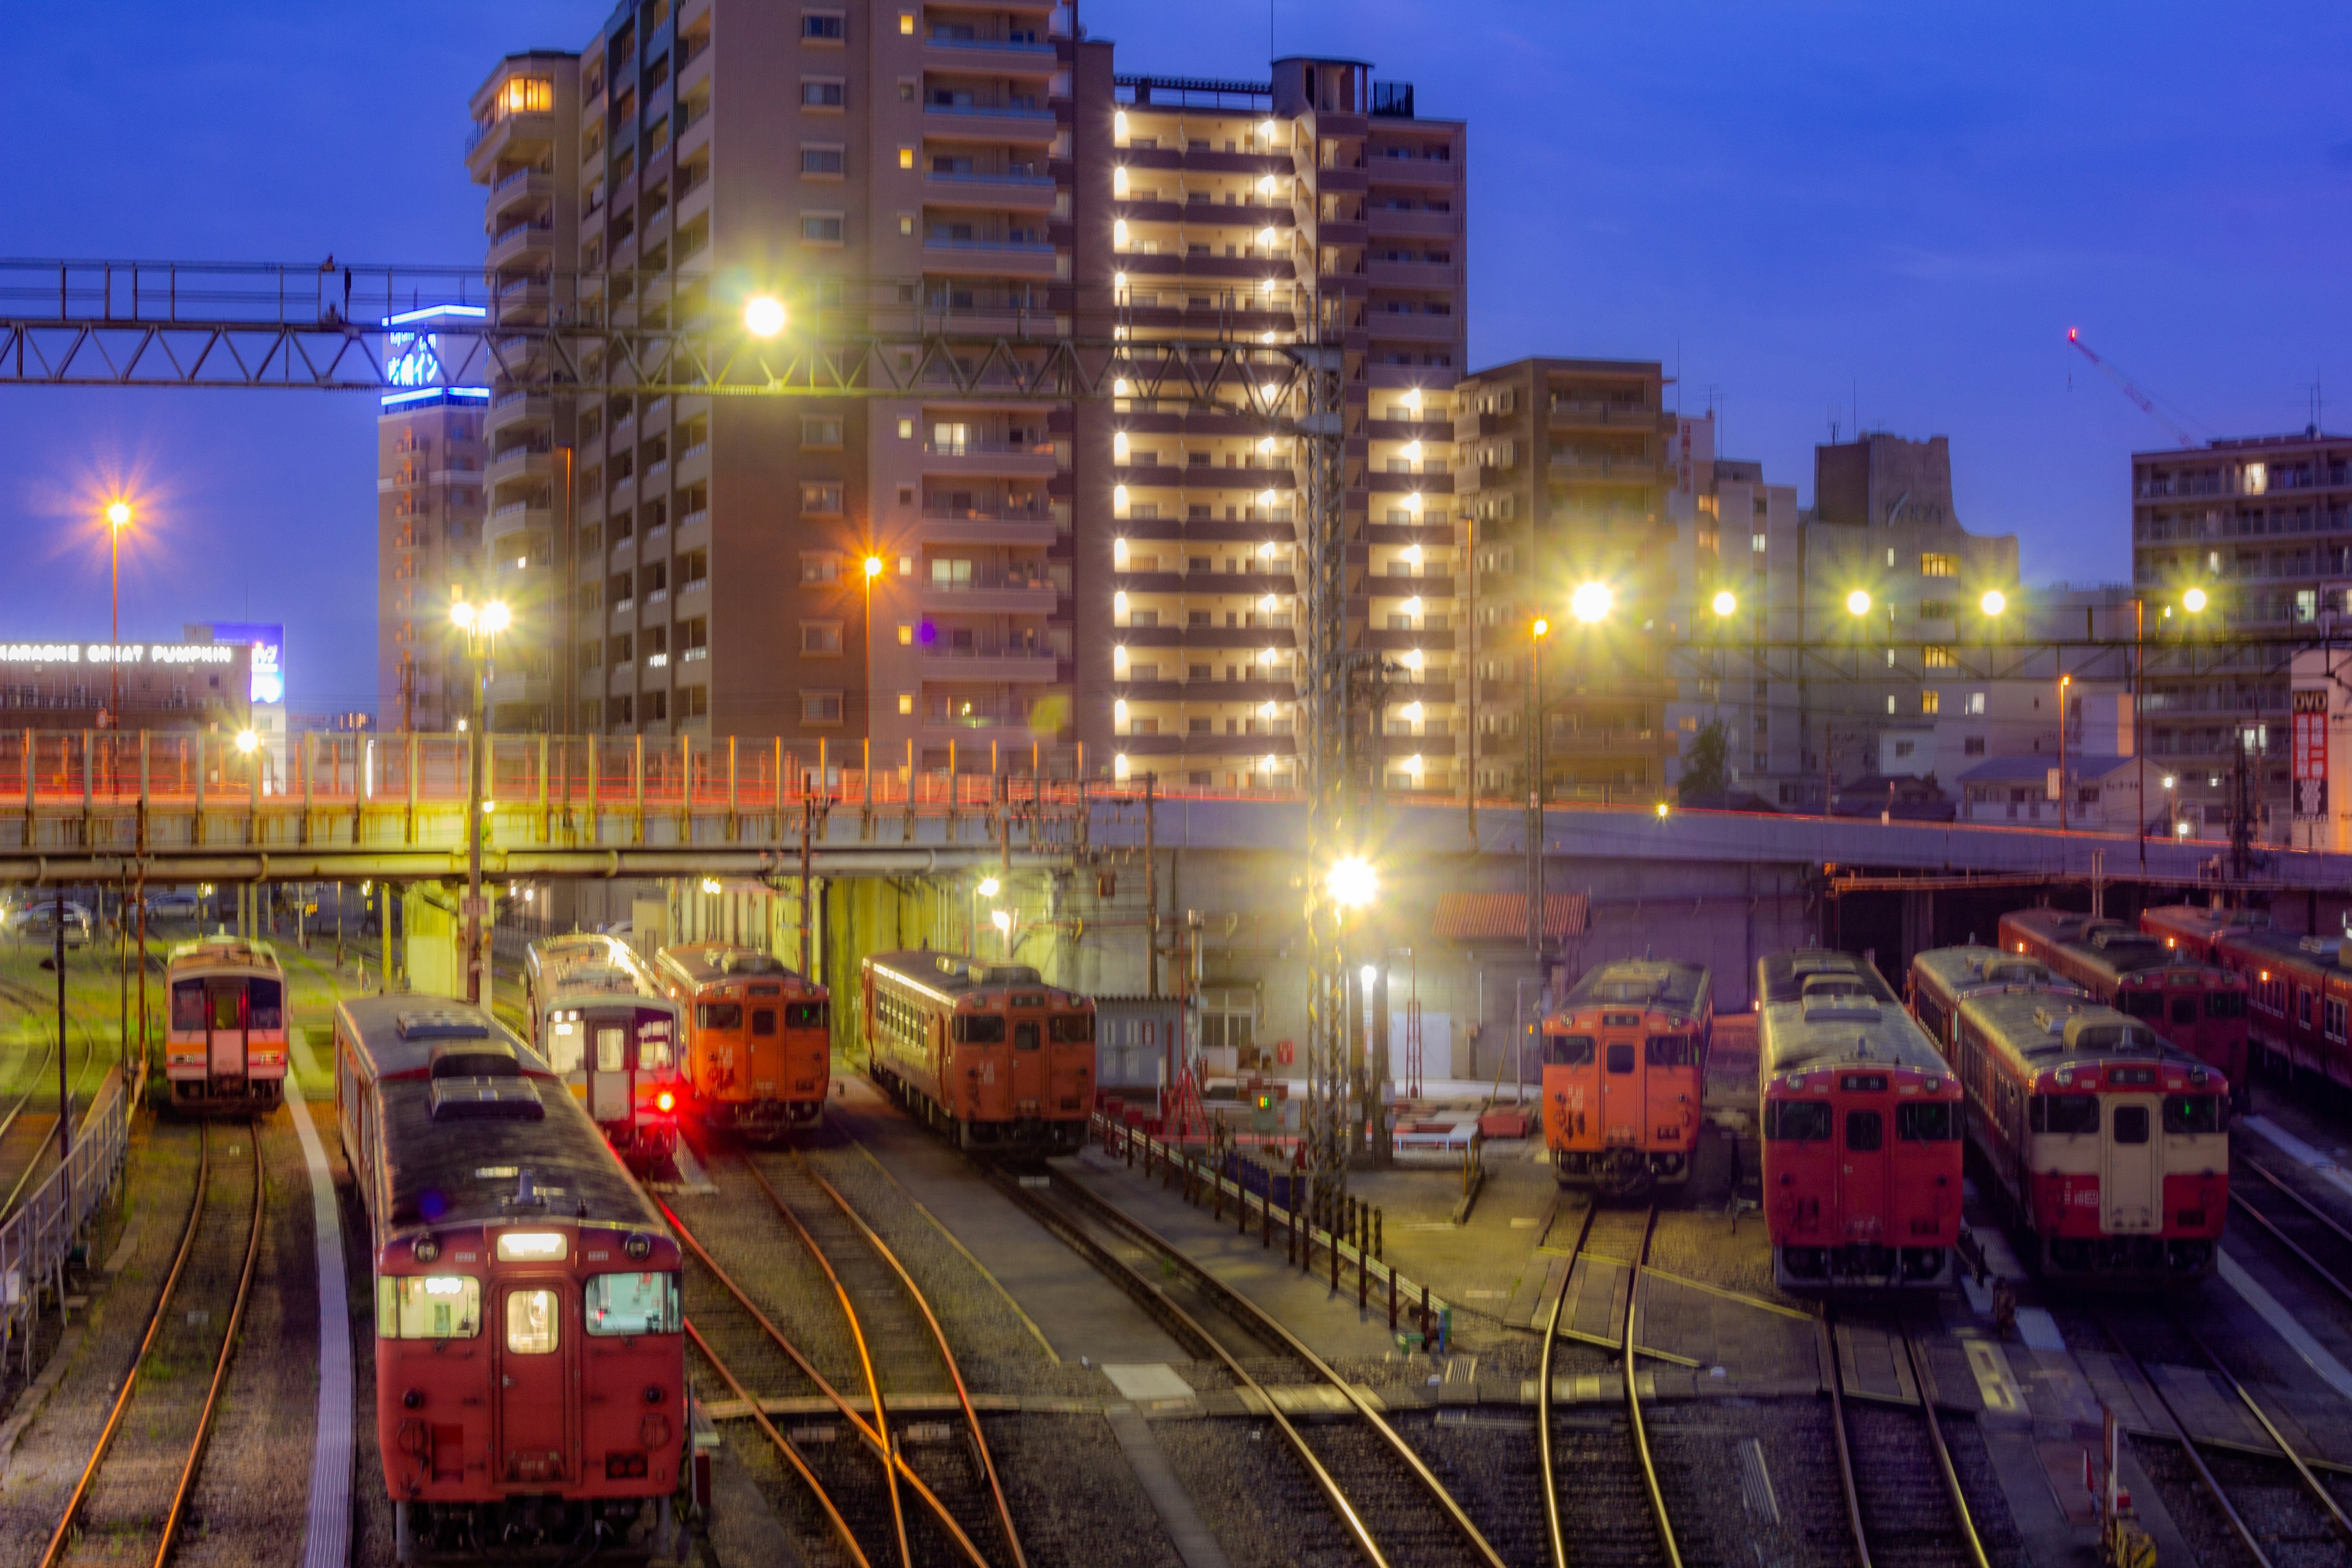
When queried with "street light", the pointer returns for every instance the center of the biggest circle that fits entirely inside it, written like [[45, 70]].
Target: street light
[[1592, 601], [764, 315], [481, 625], [1994, 601], [246, 741], [1537, 631], [2193, 600], [1353, 883], [1857, 602], [118, 518], [1726, 601]]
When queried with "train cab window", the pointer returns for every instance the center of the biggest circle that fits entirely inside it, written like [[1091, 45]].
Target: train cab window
[[2131, 1124], [1929, 1121], [763, 1022], [2141, 1003], [652, 1048], [264, 1005], [188, 1005], [1568, 1050], [2184, 1009], [633, 1304], [1865, 1132], [1620, 1059], [532, 1326], [2064, 1113], [1668, 1050], [719, 1015], [2186, 1114], [225, 1009], [611, 1048], [1805, 1121], [2225, 1003], [1026, 1036], [563, 1047], [803, 1014], [1078, 1029], [979, 1028], [427, 1307]]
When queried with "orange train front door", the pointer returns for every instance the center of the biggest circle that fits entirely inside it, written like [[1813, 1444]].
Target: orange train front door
[[1623, 1104]]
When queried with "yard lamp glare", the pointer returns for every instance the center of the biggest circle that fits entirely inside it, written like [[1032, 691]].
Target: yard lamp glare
[[1353, 883], [461, 616], [1857, 602], [1001, 919], [1592, 601], [246, 741], [710, 884], [2193, 600], [1725, 602], [1994, 601], [872, 567], [989, 886], [118, 514], [1541, 627], [764, 315], [495, 617]]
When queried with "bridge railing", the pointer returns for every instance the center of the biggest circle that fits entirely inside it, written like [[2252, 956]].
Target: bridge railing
[[40, 1237]]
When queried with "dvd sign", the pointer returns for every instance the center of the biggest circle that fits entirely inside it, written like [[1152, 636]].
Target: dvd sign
[[2310, 758]]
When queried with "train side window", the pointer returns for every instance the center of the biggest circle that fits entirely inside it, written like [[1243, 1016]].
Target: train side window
[[611, 1048], [1620, 1059], [264, 1005], [1929, 1121], [2131, 1124], [532, 1325], [719, 1015], [2140, 1004], [2225, 1003], [188, 1005], [2332, 1011], [427, 1307], [763, 1022], [1802, 1120], [2070, 1114], [1568, 1050], [1026, 1036], [1865, 1131], [2186, 1114], [2303, 1007], [803, 1014], [2184, 1009], [979, 1028], [633, 1304], [1668, 1050], [1078, 1029], [563, 1047]]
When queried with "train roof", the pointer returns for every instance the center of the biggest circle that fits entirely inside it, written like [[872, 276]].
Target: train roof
[[2323, 952], [1785, 976], [2110, 949], [1649, 983], [1843, 1030], [2043, 1032], [588, 963], [1958, 970], [956, 975], [402, 1035], [2208, 923], [713, 963], [226, 953]]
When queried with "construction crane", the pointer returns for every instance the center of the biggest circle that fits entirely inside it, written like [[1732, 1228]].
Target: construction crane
[[2181, 435]]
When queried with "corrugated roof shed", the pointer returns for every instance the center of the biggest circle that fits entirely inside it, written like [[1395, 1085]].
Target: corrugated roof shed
[[1503, 917]]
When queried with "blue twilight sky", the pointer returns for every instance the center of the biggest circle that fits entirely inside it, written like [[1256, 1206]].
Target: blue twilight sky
[[1804, 206]]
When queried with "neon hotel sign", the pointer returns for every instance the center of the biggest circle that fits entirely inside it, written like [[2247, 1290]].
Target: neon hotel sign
[[100, 653]]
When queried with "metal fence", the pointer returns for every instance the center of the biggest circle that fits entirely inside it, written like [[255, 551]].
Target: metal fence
[[40, 1237]]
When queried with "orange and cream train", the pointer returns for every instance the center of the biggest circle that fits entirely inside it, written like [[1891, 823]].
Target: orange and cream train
[[1624, 1075]]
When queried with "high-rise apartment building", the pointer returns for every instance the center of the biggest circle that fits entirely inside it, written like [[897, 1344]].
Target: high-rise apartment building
[[1114, 575], [429, 503], [1566, 474], [2263, 525]]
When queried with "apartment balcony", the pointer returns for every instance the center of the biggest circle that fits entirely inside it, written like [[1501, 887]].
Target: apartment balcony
[[1606, 471], [516, 138], [519, 462], [532, 238], [1596, 413], [1010, 193], [993, 593], [516, 517], [514, 407], [997, 57], [1415, 174], [502, 689], [521, 191], [1413, 274], [523, 301], [938, 527], [972, 122], [1025, 258], [989, 662], [1393, 223], [1437, 590], [1415, 327], [992, 459], [1341, 232]]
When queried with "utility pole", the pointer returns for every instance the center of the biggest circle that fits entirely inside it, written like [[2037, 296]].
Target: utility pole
[[2063, 682], [1150, 886], [1538, 629], [64, 1104]]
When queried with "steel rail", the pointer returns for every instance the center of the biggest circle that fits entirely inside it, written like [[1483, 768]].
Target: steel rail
[[10, 991], [1834, 1381], [1250, 1315], [938, 1337], [865, 1358], [220, 1368], [2311, 1482], [2212, 1483], [1065, 1226], [792, 1455], [1923, 1378], [2313, 1210], [848, 1412], [1633, 1396], [1543, 1399], [56, 1547]]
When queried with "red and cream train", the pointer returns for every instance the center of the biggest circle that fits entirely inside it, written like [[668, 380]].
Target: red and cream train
[[2299, 988], [2186, 1000]]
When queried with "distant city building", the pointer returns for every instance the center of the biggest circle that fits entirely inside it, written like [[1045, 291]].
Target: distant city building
[[429, 504], [263, 696], [195, 684]]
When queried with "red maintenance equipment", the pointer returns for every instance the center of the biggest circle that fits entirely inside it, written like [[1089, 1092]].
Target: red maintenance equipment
[[529, 1362], [988, 1053], [1624, 1075], [1862, 1130], [2192, 1005]]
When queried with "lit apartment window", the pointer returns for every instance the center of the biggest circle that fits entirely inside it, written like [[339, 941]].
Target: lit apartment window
[[821, 638], [906, 702], [1937, 659], [1976, 701], [528, 95], [693, 701], [1933, 565], [822, 92], [820, 707], [1931, 702]]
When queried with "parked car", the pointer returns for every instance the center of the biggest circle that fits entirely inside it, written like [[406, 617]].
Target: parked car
[[38, 922], [173, 907]]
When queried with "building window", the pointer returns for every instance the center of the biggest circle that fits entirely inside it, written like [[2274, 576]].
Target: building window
[[820, 566], [821, 162], [821, 498], [821, 93], [1936, 658], [527, 95], [820, 707], [906, 702], [1973, 746], [819, 432], [821, 26], [820, 228], [1934, 564], [821, 638], [906, 637], [1931, 702], [694, 702], [657, 706]]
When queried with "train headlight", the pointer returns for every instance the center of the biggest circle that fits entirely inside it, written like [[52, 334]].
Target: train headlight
[[665, 1099], [638, 1246], [532, 1246], [425, 1248]]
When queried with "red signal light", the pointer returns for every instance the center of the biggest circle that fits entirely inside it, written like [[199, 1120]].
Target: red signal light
[[665, 1099]]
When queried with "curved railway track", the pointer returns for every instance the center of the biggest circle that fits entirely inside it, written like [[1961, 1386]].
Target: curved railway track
[[2307, 1233], [1387, 1503], [134, 1489], [24, 1156], [1904, 1501]]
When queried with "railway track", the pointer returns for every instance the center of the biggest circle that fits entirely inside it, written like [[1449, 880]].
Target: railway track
[[1387, 1503], [2281, 1520], [132, 1495], [1905, 1505], [1615, 1511], [28, 1133], [2315, 1238]]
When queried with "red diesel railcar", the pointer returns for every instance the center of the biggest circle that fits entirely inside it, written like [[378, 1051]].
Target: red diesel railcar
[[1862, 1130], [2301, 992], [989, 1053], [1624, 1075], [529, 1364], [2191, 1004]]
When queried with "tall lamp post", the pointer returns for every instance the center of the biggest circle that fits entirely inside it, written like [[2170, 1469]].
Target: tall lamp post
[[481, 625], [118, 518], [1538, 629]]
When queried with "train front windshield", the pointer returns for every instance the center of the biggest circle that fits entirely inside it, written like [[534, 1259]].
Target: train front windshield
[[610, 1039], [227, 1002]]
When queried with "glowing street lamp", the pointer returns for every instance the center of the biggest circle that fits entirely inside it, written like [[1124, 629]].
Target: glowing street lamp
[[2193, 600], [481, 625], [247, 741], [764, 315], [1994, 601], [1726, 601], [1592, 601], [118, 518], [1857, 603], [1352, 883]]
